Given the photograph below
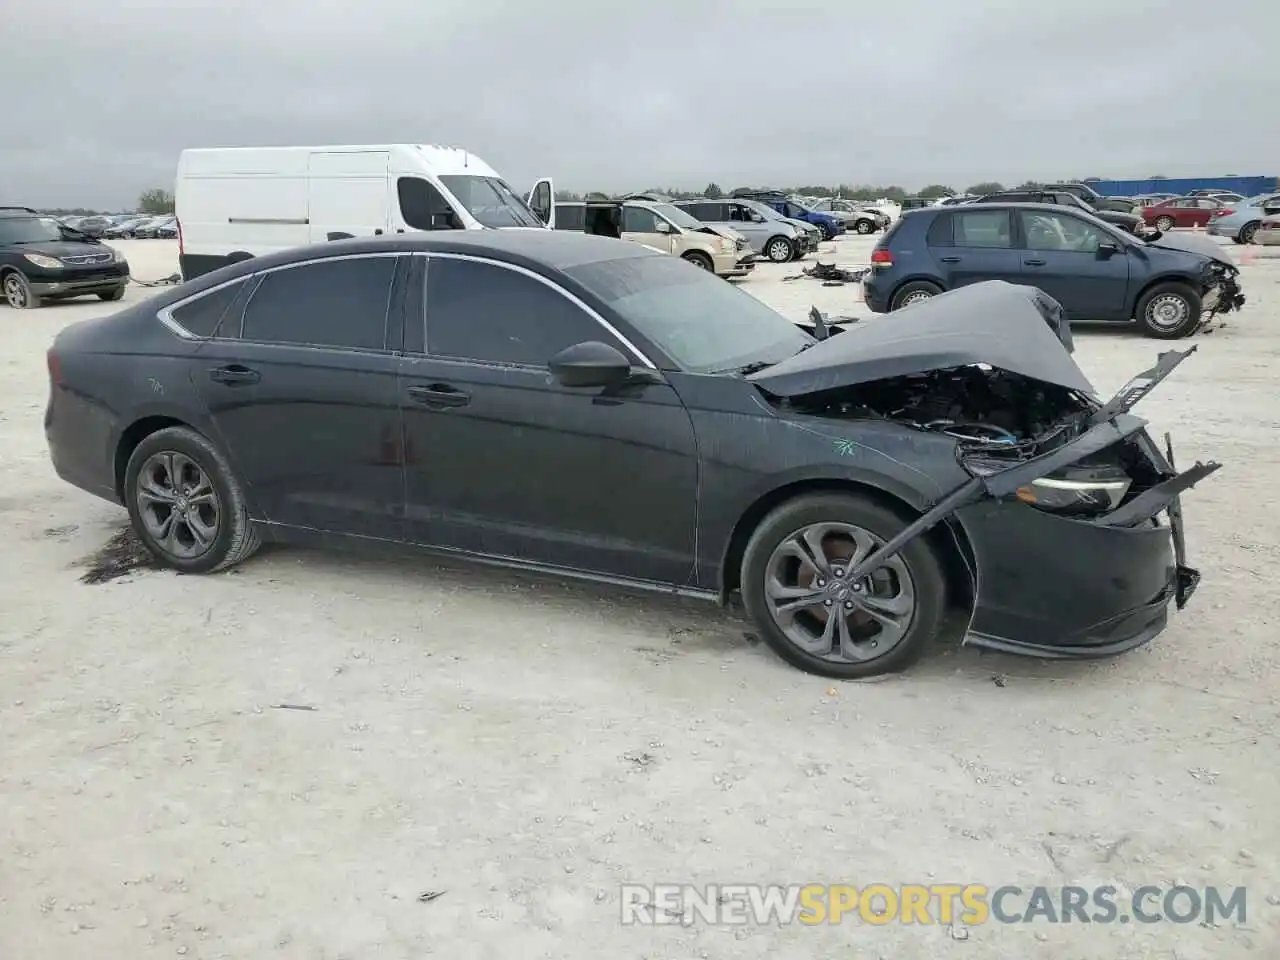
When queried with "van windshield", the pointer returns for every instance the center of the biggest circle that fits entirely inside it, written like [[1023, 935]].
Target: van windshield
[[491, 201]]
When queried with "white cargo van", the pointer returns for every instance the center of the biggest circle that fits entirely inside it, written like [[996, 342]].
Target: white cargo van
[[240, 202]]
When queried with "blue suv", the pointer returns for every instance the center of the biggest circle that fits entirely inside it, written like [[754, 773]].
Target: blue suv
[[1169, 283], [830, 226]]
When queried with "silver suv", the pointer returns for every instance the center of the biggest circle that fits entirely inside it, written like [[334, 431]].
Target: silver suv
[[856, 219], [769, 233]]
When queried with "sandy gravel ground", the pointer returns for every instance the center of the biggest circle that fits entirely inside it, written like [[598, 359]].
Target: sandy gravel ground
[[527, 746]]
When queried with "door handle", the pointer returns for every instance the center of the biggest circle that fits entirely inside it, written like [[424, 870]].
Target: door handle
[[439, 395], [1034, 263], [950, 259], [234, 375]]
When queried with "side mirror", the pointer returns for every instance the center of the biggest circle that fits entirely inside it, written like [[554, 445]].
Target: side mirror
[[664, 227], [1107, 250], [590, 364]]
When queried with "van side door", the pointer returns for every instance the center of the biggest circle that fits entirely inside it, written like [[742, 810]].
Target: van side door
[[348, 195]]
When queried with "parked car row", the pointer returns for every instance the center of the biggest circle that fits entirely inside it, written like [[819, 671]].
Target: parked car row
[[150, 228]]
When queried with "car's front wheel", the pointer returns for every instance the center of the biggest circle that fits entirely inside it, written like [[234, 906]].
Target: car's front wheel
[[779, 249], [1248, 232], [17, 291], [864, 227], [699, 260], [185, 503], [797, 589], [1168, 311], [828, 231], [116, 294], [1164, 224], [917, 291]]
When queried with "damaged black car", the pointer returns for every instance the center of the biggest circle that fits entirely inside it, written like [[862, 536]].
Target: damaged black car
[[584, 406]]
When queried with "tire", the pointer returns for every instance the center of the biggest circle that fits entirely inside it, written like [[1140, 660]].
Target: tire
[[779, 249], [16, 291], [914, 578], [1160, 315], [699, 260], [1248, 232], [234, 538], [116, 294], [1164, 224], [913, 292], [864, 227], [828, 232]]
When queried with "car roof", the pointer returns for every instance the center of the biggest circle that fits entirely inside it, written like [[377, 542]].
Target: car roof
[[534, 248]]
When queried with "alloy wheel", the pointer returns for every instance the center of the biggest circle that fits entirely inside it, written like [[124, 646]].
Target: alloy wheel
[[15, 291], [918, 297], [1164, 224], [178, 505], [820, 609], [779, 251], [1247, 234]]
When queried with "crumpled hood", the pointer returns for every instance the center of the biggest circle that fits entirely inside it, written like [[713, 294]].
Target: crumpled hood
[[1192, 242], [1008, 326]]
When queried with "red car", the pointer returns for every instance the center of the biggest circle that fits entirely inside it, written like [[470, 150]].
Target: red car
[[1184, 212]]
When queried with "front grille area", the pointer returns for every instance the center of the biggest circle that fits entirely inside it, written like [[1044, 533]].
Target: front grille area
[[87, 258]]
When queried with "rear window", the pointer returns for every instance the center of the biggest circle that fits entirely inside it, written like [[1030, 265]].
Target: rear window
[[888, 234], [706, 212], [571, 216], [985, 228], [202, 316]]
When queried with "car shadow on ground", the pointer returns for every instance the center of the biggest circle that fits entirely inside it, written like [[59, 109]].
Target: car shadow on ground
[[680, 625]]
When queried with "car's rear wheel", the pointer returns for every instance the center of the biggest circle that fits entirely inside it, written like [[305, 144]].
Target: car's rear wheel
[[779, 249], [1249, 231], [796, 587], [17, 291], [116, 294], [185, 503], [1169, 310], [1164, 224], [917, 291], [864, 227]]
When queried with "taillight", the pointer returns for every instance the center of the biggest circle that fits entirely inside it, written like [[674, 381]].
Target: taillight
[[1226, 212], [54, 366], [881, 258], [178, 224]]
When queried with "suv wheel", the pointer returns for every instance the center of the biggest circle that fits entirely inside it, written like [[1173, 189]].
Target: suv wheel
[[779, 249], [1168, 311], [864, 226], [17, 291], [917, 291], [116, 294], [795, 587]]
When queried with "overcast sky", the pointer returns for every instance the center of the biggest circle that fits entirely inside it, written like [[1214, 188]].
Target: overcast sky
[[617, 94]]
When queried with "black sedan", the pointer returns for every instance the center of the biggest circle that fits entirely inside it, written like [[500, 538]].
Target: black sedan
[[586, 406]]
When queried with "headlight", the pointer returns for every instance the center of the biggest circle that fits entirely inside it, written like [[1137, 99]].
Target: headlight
[[1082, 489], [727, 245], [40, 260], [117, 256]]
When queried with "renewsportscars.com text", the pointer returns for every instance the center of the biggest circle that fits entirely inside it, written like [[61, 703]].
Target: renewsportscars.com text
[[969, 904]]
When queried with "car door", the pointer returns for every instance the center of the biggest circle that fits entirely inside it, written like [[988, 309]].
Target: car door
[[642, 225], [1184, 211], [504, 461], [1076, 262], [302, 389], [974, 244], [751, 224]]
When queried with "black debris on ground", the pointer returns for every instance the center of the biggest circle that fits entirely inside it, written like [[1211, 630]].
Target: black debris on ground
[[118, 557]]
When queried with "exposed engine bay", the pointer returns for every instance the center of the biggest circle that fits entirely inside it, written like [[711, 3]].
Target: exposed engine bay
[[974, 404]]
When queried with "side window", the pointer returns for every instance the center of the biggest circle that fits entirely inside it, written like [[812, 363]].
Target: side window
[[1184, 204], [423, 207], [201, 317], [332, 303], [990, 228], [492, 314], [739, 213], [1207, 204], [1052, 231], [639, 220], [939, 234], [571, 216]]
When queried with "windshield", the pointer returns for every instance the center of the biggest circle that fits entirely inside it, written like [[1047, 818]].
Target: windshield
[[701, 322], [29, 230], [491, 201], [677, 216]]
